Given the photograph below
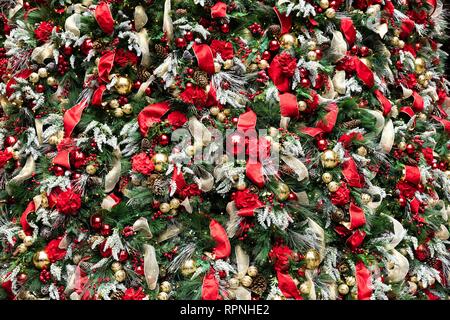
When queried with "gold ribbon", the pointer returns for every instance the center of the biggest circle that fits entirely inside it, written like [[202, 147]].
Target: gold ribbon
[[140, 18], [24, 174], [43, 52], [387, 137], [167, 21], [113, 175], [151, 268]]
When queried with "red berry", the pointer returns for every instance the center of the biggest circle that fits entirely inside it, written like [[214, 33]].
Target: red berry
[[189, 36], [180, 42], [364, 51], [225, 28], [164, 140], [10, 141], [68, 50], [96, 221], [266, 55], [106, 230], [40, 88], [136, 85], [274, 45], [305, 83], [86, 46], [123, 255], [322, 144]]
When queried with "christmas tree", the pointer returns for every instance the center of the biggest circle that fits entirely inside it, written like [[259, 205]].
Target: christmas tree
[[235, 149]]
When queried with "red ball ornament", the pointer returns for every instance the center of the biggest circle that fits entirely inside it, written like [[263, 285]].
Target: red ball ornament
[[292, 196], [354, 50], [318, 54], [58, 171], [40, 88], [137, 85], [180, 42], [305, 83], [274, 45], [105, 253], [364, 51], [67, 50], [189, 36], [410, 148], [22, 278], [86, 46], [148, 91], [418, 46], [164, 140], [235, 120], [76, 176], [402, 201], [266, 55], [96, 221], [123, 255], [442, 166], [190, 71], [139, 270], [26, 6], [189, 85], [106, 230], [322, 144], [10, 141], [225, 28], [304, 73], [422, 252]]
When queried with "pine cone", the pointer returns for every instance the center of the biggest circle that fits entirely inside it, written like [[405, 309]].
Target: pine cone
[[287, 170], [352, 124], [157, 184], [274, 29], [145, 144], [181, 12], [259, 285], [143, 74], [161, 51], [98, 45], [117, 295], [338, 215], [201, 78]]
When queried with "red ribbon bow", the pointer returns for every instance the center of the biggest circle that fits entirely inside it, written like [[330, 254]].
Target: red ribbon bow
[[104, 17], [204, 57], [151, 114]]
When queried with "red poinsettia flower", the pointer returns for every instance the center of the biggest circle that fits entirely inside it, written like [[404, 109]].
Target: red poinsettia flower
[[176, 119], [280, 256], [341, 196], [5, 156], [194, 95], [224, 48], [54, 252], [68, 202], [142, 163], [245, 199], [43, 31], [132, 294], [125, 57]]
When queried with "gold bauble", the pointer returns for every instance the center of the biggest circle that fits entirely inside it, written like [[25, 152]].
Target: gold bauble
[[221, 117], [165, 287], [263, 64], [28, 241], [227, 64], [429, 75], [422, 285], [414, 279], [311, 45], [305, 288], [113, 104], [51, 81], [164, 207], [287, 41], [246, 281], [241, 185], [330, 13], [302, 105], [217, 67], [21, 248], [350, 281], [174, 203], [419, 62], [412, 287], [362, 151], [160, 158], [312, 56], [327, 177], [120, 275], [91, 169], [333, 186], [214, 111], [324, 4], [21, 234], [226, 112], [233, 283], [116, 266], [401, 44], [123, 85], [282, 191], [312, 259], [127, 108], [34, 77], [43, 73], [343, 289], [394, 41], [366, 198], [118, 113], [41, 260], [402, 145], [188, 268], [163, 296], [422, 79], [329, 159], [252, 271]]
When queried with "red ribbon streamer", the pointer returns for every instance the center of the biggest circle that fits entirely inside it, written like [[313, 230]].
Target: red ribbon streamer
[[247, 121], [204, 57], [73, 116], [385, 103], [219, 10], [287, 286], [406, 28], [104, 17], [412, 174], [210, 286], [253, 171], [329, 120], [418, 103], [62, 159], [363, 281], [151, 114], [364, 73], [349, 31], [105, 65], [356, 239], [22, 75], [97, 97], [288, 105], [23, 219], [285, 21], [223, 248], [445, 123], [351, 174], [357, 217]]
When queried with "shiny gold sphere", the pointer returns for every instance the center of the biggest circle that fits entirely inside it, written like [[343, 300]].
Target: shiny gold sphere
[[116, 266], [165, 287], [120, 275], [188, 268], [366, 198], [51, 81], [160, 158], [343, 289], [333, 186], [330, 13], [164, 207], [241, 185], [312, 259], [246, 281], [394, 41], [28, 241], [282, 191], [324, 4], [302, 105], [118, 113], [214, 111], [221, 117], [233, 283], [263, 64], [327, 177], [252, 271], [113, 104], [123, 85], [34, 77], [163, 296], [43, 73], [174, 203], [312, 56], [41, 260], [288, 41], [350, 281], [362, 151], [91, 169], [127, 108], [329, 159]]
